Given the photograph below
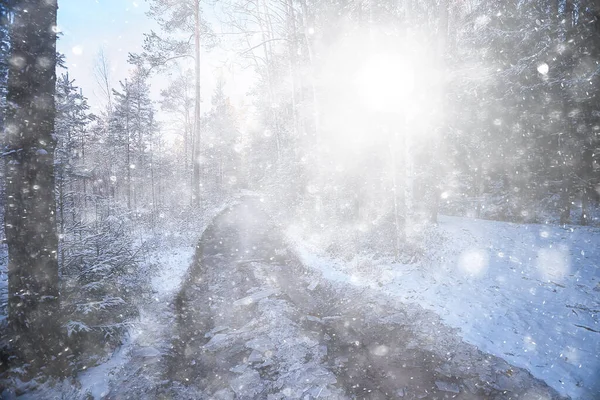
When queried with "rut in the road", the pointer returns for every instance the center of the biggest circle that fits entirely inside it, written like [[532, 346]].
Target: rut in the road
[[249, 326]]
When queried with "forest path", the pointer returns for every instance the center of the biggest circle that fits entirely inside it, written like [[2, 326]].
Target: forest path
[[252, 322]]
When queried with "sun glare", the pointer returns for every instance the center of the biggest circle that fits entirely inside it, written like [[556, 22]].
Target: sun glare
[[386, 83]]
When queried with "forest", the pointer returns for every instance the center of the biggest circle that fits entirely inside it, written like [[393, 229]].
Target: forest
[[161, 242]]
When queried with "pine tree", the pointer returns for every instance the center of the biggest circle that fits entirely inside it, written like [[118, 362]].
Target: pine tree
[[98, 260], [177, 99], [133, 125], [175, 17], [71, 132], [223, 143]]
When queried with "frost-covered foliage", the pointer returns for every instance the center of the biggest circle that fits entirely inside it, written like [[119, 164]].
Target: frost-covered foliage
[[525, 144], [222, 147], [102, 282], [374, 112], [99, 262]]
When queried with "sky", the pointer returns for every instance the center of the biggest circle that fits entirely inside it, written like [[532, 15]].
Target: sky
[[117, 27], [87, 26]]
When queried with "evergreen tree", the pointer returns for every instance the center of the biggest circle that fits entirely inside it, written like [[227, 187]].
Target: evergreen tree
[[223, 144], [71, 132], [134, 126], [175, 17], [177, 99], [98, 261]]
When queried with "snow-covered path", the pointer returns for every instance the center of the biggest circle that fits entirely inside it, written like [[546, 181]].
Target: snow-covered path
[[254, 323], [138, 363], [526, 293]]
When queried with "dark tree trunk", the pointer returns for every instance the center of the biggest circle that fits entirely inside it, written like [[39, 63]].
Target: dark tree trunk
[[30, 208]]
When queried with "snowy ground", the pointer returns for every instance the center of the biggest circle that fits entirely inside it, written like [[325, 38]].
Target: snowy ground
[[255, 323], [149, 336], [169, 257], [529, 294], [248, 320], [134, 363]]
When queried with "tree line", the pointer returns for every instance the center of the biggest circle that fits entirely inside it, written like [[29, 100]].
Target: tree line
[[78, 187]]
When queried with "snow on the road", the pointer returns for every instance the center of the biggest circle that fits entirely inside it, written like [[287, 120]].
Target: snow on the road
[[173, 263], [526, 293]]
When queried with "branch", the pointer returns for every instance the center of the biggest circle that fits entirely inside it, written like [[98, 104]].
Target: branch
[[164, 62], [260, 44]]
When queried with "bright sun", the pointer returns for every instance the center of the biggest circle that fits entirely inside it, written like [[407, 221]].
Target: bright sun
[[386, 83]]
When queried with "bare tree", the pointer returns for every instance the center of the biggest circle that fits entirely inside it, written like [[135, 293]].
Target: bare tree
[[103, 78]]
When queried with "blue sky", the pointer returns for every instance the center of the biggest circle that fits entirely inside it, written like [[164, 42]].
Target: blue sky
[[118, 27]]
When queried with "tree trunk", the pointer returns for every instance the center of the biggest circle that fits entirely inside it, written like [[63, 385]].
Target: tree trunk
[[186, 143], [196, 147], [266, 33], [128, 155], [292, 49], [565, 147], [61, 209], [435, 178], [30, 209], [154, 200], [565, 198], [311, 60], [478, 187], [84, 180], [587, 166], [399, 204]]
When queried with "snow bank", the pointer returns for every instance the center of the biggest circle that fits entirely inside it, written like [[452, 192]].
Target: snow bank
[[526, 293]]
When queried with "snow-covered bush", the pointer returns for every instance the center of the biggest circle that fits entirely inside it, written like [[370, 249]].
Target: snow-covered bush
[[101, 277]]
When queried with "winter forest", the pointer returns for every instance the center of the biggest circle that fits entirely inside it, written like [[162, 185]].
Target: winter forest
[[300, 199]]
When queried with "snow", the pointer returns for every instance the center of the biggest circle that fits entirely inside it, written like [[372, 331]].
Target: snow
[[447, 387], [248, 300], [150, 332], [150, 335], [525, 293], [96, 381], [173, 266], [266, 320]]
